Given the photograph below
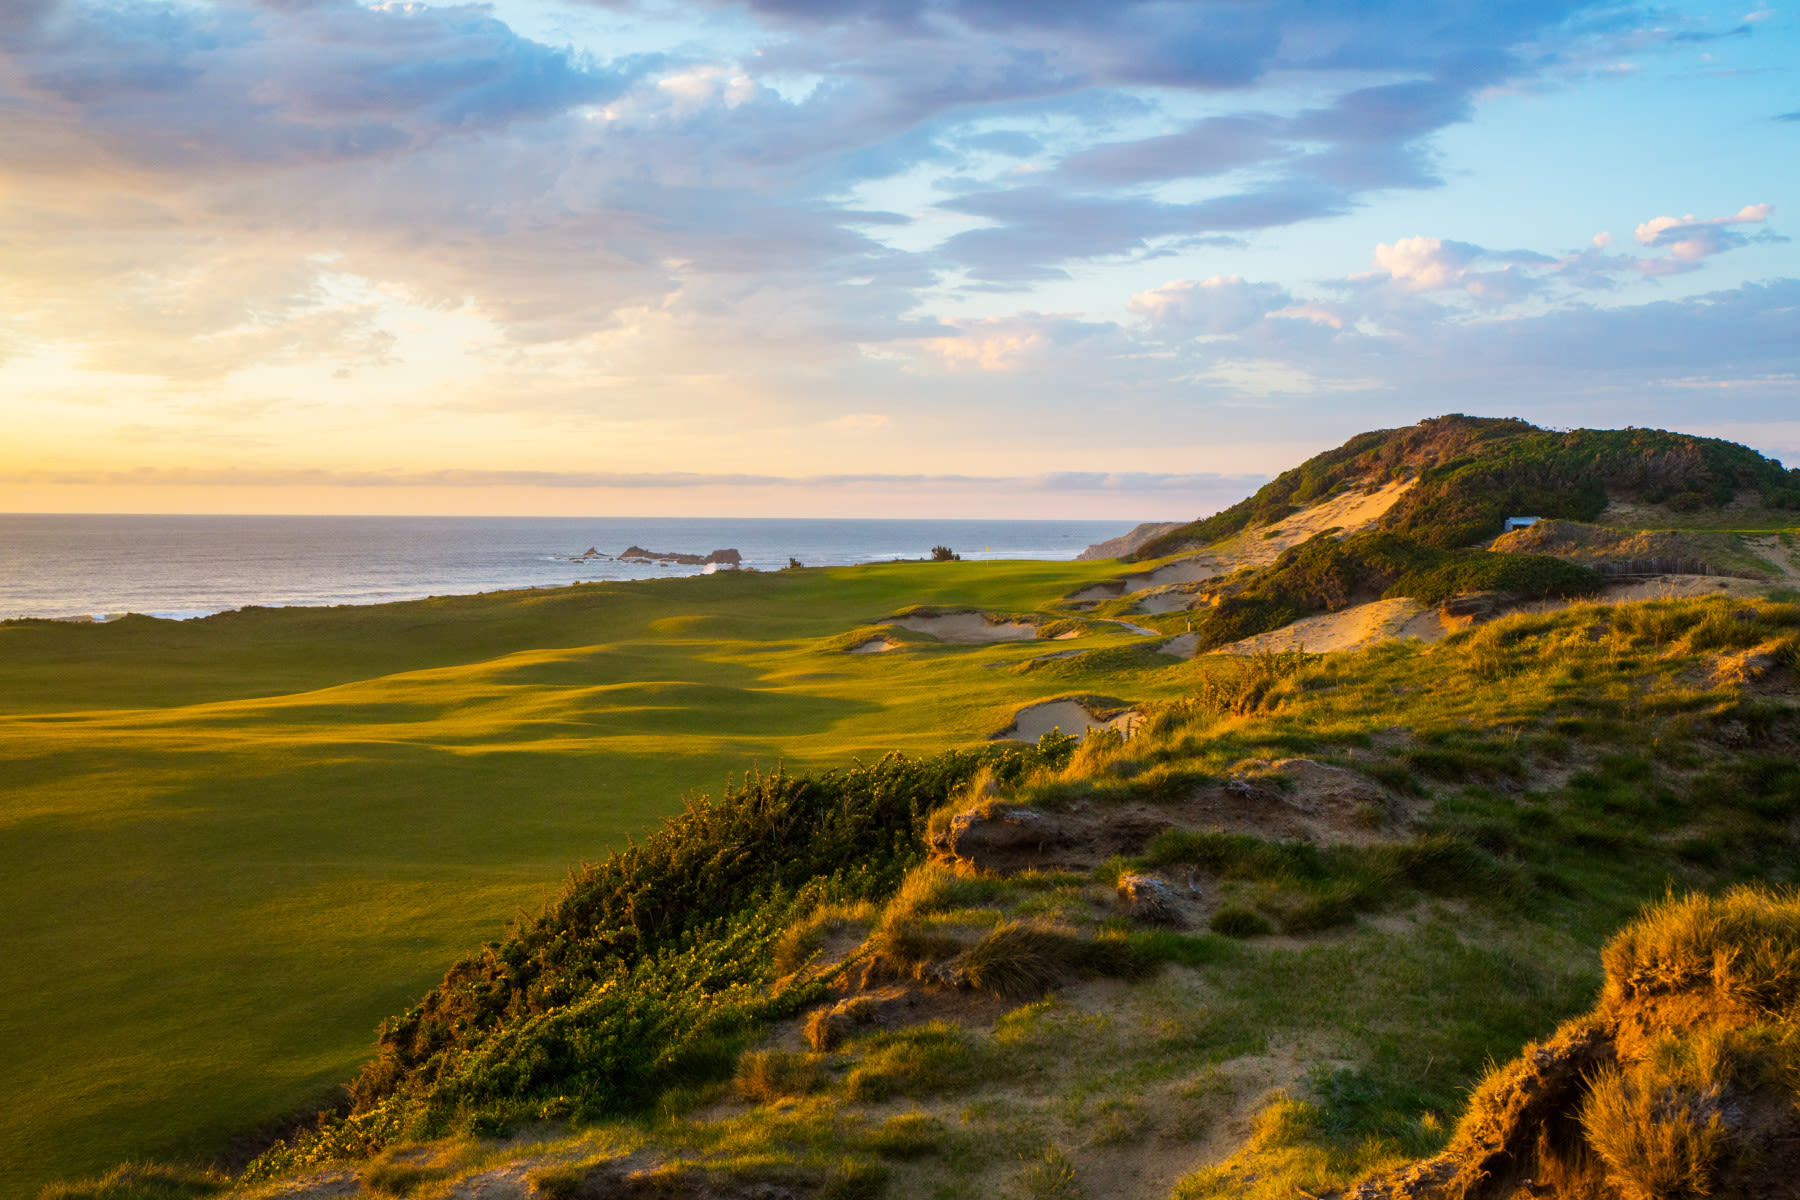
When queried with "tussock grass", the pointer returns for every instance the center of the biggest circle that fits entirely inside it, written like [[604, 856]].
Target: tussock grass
[[1741, 950], [141, 1181], [921, 1061], [764, 1076]]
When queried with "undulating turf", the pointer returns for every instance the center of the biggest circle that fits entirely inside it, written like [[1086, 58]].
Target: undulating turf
[[231, 846]]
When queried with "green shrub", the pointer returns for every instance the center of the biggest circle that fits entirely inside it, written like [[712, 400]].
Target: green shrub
[[652, 970], [1236, 921], [908, 1136]]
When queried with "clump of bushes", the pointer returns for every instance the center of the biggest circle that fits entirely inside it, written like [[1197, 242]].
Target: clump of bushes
[[654, 968]]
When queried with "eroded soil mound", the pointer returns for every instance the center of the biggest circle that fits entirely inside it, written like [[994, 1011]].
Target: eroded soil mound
[[1683, 1082], [1295, 799]]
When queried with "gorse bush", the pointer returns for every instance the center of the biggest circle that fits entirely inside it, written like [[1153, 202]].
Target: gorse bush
[[654, 966]]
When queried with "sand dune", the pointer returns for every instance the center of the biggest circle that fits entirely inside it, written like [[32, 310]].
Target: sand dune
[[1254, 547]]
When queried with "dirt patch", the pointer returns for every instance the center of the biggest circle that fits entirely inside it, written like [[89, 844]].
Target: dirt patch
[[319, 1187], [511, 1182], [967, 628], [878, 645], [1070, 716], [1293, 799]]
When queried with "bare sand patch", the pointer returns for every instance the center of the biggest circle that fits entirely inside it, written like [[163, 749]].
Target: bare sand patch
[[877, 645], [1779, 553], [1198, 569], [1346, 512], [1352, 628], [1165, 602], [1070, 716], [1182, 645], [967, 628], [1258, 546]]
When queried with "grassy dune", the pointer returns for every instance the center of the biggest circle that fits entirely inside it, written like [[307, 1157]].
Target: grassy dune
[[231, 846]]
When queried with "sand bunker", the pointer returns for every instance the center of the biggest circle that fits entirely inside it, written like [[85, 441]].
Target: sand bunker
[[1166, 602], [878, 645], [1096, 592], [967, 628], [1070, 716]]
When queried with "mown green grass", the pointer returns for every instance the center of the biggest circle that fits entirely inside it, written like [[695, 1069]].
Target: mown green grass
[[232, 846]]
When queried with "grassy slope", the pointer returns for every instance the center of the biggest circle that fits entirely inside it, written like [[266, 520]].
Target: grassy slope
[[1584, 761], [198, 815], [1471, 472]]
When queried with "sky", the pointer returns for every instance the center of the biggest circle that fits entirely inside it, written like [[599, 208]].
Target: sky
[[1000, 258]]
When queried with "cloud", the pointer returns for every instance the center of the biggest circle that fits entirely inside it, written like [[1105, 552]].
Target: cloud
[[1690, 239], [1220, 305], [289, 477], [1007, 343], [1427, 264]]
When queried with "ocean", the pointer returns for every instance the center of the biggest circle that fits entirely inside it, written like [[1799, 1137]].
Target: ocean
[[96, 567]]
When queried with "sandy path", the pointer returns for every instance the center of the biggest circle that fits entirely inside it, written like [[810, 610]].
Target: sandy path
[[1070, 716], [967, 629]]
